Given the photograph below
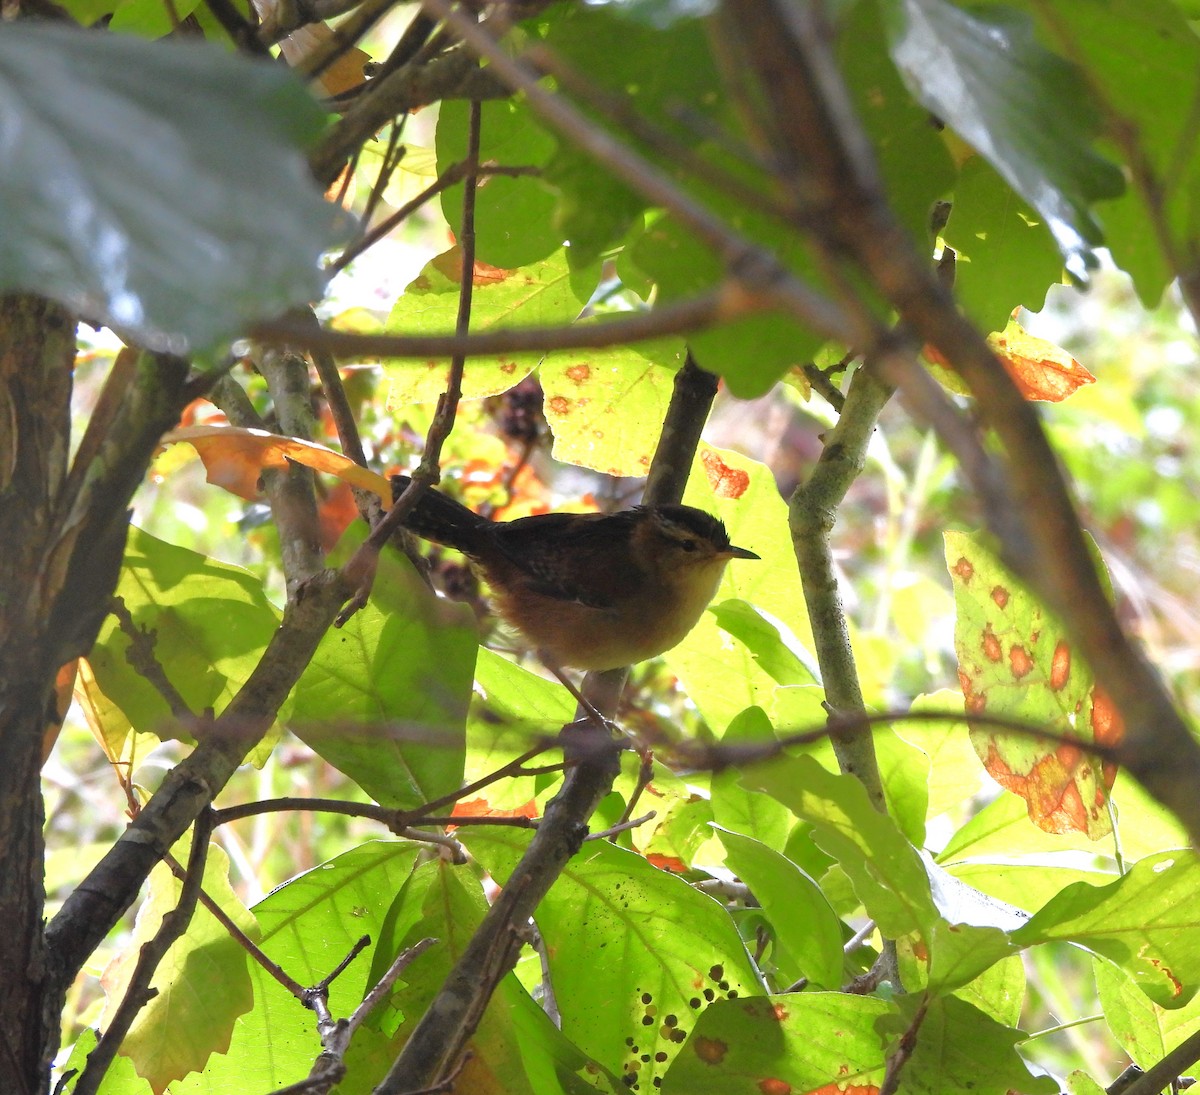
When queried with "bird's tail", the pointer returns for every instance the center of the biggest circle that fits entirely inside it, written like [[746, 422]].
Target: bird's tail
[[439, 518]]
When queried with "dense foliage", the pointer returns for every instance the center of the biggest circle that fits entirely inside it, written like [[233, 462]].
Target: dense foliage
[[912, 807]]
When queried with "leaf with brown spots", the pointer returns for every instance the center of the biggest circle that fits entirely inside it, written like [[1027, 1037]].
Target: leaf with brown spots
[[546, 293], [235, 457], [1041, 370], [606, 407], [1015, 661], [783, 1045]]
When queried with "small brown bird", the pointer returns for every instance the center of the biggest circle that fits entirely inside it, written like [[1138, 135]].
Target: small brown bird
[[589, 590]]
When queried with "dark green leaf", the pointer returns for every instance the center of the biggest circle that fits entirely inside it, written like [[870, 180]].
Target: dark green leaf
[[1006, 256], [157, 187], [804, 923], [514, 222], [958, 1050], [1023, 108]]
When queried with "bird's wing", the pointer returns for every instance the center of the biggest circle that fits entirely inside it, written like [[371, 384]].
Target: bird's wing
[[570, 556]]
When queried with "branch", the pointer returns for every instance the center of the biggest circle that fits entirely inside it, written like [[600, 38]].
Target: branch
[[728, 301], [153, 951], [453, 75], [812, 512]]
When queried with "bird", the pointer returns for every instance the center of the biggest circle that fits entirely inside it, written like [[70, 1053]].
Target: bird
[[589, 591]]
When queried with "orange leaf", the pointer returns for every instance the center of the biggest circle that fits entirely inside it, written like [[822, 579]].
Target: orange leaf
[[235, 457], [1040, 369]]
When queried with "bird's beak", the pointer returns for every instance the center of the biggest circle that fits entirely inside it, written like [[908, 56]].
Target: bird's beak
[[741, 553]]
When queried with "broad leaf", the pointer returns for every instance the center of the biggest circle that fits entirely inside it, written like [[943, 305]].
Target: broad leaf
[[308, 925], [1023, 108], [384, 698], [668, 952], [1146, 922], [805, 925], [811, 1042], [606, 407], [201, 986], [178, 241], [543, 292], [958, 1050], [1015, 660], [209, 624]]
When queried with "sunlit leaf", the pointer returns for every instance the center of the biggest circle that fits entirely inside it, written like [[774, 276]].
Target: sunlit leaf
[[235, 456], [1015, 660], [201, 986]]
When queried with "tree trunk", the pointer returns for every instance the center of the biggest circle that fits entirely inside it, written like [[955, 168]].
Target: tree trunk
[[37, 352]]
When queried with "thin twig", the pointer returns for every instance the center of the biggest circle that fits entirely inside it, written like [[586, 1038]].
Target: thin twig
[[361, 567], [622, 826], [140, 654]]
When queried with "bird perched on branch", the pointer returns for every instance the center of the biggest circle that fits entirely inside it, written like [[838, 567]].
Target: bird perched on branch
[[588, 590]]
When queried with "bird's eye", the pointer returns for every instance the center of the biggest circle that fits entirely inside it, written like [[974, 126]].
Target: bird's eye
[[688, 545]]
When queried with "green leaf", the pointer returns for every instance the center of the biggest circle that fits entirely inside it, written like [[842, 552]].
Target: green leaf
[[515, 1049], [653, 71], [514, 215], [1142, 59], [804, 923], [606, 407], [799, 1042], [885, 869], [1023, 108], [201, 986], [912, 159], [308, 925], [1080, 1083], [210, 621], [384, 698], [635, 953], [962, 931], [669, 254], [958, 1050], [1006, 255], [147, 18], [129, 198], [546, 291], [511, 709], [735, 808], [1146, 922], [1145, 1031], [999, 991]]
